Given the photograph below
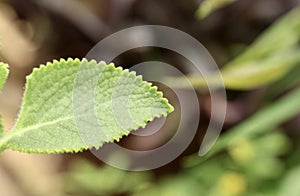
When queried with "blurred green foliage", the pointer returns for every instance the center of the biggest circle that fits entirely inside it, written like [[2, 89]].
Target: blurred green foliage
[[87, 179], [255, 157], [272, 55], [251, 167], [209, 6]]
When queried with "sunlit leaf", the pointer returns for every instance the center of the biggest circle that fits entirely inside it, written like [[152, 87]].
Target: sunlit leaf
[[47, 124]]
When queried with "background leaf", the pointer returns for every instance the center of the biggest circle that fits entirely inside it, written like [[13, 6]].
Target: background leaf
[[264, 120], [282, 35], [209, 6], [46, 123], [290, 183], [257, 164], [3, 74], [264, 61], [89, 178]]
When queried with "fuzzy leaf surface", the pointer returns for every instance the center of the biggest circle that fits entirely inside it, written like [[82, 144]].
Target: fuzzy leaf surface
[[3, 77], [57, 115]]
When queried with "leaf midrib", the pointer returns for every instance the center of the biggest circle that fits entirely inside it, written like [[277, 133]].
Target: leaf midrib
[[16, 132]]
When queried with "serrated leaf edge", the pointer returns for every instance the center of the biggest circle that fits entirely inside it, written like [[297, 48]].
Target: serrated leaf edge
[[4, 143]]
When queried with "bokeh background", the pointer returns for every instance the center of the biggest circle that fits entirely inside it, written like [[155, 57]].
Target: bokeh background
[[254, 42]]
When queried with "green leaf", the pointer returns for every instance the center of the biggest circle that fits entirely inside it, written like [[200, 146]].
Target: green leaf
[[260, 72], [3, 74], [249, 75], [209, 6], [267, 60], [56, 107], [290, 183], [282, 35], [270, 57], [265, 120]]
